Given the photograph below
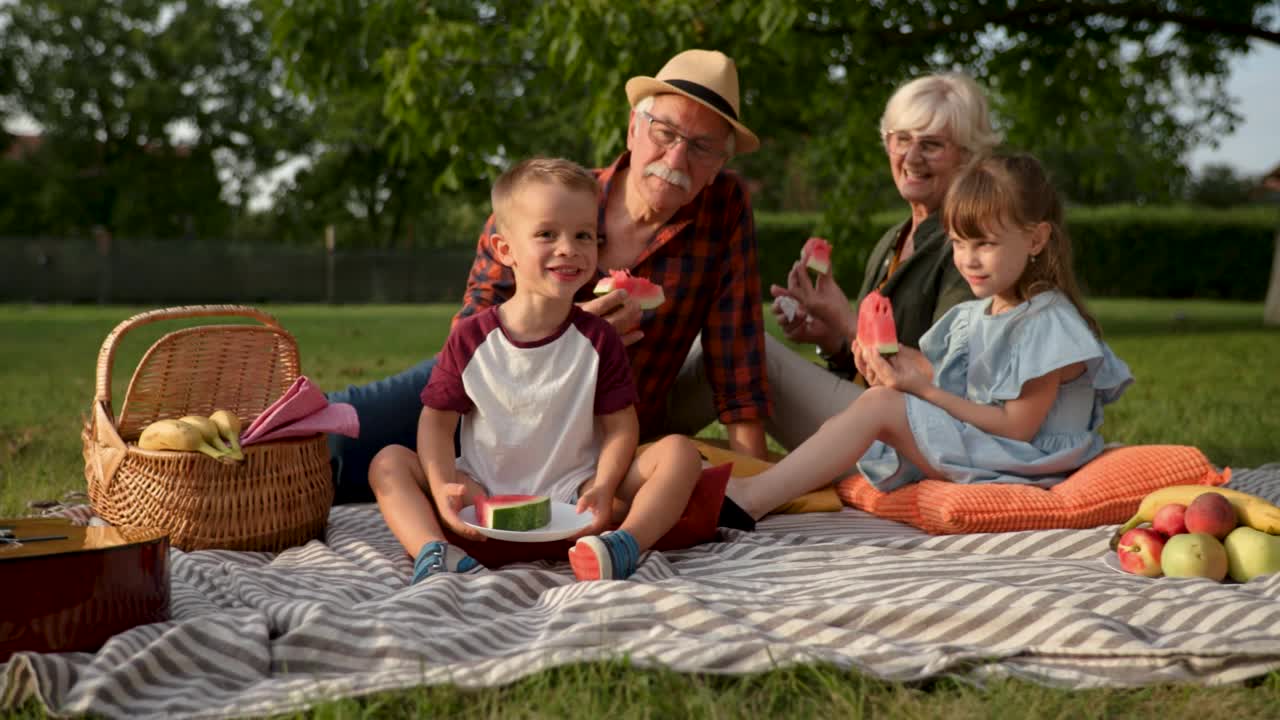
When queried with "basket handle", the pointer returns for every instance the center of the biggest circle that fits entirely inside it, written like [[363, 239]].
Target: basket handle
[[106, 356]]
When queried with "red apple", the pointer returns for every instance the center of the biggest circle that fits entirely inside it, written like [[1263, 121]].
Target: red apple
[[1139, 552], [1211, 514], [1170, 519]]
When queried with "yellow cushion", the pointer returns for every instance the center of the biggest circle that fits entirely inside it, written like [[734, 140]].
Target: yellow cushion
[[717, 452]]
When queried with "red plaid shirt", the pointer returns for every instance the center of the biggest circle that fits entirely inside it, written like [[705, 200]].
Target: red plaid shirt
[[704, 258]]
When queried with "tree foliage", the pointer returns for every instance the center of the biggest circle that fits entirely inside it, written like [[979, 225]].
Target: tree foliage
[[1112, 93], [408, 109], [141, 106], [1220, 186]]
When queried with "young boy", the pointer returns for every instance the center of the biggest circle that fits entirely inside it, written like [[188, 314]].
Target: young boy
[[546, 399]]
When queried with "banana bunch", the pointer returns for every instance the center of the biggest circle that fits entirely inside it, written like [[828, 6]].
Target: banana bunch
[[1252, 511], [217, 436]]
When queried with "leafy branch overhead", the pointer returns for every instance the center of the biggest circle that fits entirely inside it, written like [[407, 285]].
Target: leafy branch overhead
[[465, 85], [139, 105], [407, 109]]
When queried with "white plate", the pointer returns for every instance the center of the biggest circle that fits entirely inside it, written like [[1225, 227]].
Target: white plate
[[565, 522], [1112, 561]]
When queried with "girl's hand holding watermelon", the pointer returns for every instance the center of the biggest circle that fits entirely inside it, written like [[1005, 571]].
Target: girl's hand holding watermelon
[[906, 360], [907, 371]]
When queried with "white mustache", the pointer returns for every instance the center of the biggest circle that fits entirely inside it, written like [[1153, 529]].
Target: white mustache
[[671, 175]]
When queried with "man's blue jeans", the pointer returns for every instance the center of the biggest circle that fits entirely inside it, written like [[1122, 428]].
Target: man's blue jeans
[[388, 410]]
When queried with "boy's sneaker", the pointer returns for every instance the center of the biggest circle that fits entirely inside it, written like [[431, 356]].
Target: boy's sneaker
[[438, 557], [609, 556]]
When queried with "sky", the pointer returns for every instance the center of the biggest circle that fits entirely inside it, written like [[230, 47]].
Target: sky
[[1254, 147]]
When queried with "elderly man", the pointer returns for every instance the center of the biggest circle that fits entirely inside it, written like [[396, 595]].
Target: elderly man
[[668, 212]]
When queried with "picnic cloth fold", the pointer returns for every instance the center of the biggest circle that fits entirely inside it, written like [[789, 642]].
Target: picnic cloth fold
[[257, 634], [302, 410]]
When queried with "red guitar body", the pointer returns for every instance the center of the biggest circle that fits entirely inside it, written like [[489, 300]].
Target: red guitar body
[[74, 594]]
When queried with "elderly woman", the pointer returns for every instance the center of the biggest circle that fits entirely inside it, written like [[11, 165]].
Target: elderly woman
[[931, 128]]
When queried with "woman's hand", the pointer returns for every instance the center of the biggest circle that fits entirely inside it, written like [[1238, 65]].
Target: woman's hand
[[907, 371], [823, 301], [595, 500], [802, 327], [455, 498], [619, 310]]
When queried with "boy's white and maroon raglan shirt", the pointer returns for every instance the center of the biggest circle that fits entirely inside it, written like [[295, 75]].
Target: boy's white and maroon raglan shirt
[[529, 408]]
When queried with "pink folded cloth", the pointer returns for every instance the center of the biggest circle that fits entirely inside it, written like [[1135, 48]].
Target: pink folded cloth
[[302, 410]]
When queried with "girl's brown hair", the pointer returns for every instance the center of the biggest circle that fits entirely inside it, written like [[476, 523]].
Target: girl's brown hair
[[1014, 191]]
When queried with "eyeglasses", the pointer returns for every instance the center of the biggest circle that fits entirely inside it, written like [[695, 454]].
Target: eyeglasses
[[900, 143], [664, 135]]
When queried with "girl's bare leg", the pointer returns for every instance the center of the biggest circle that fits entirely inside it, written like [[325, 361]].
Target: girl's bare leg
[[877, 414]]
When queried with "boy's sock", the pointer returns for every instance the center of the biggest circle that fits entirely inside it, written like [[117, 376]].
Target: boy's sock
[[437, 557], [608, 556]]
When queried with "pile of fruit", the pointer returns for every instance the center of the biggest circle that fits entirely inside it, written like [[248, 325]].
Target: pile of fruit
[[1201, 531], [217, 436]]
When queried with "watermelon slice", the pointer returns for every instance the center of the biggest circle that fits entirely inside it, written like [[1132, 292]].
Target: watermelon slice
[[514, 512], [875, 324], [816, 255], [648, 294]]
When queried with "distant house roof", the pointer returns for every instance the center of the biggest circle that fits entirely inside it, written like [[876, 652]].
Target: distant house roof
[[1271, 180], [22, 147]]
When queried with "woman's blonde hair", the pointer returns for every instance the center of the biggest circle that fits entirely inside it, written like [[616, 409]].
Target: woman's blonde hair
[[1013, 191], [950, 102]]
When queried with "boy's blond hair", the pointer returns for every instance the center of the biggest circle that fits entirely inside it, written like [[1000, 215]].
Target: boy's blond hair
[[549, 171]]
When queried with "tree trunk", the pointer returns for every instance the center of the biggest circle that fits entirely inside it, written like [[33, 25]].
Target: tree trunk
[[1271, 312]]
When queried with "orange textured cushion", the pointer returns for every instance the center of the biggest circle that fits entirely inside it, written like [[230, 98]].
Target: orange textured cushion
[[902, 504], [1106, 491]]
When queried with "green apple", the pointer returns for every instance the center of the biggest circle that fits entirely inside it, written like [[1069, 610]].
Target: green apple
[[1251, 553], [1194, 555]]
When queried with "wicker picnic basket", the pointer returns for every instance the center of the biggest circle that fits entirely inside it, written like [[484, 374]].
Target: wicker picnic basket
[[278, 497]]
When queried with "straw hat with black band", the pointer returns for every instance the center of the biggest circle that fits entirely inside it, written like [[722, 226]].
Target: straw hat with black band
[[709, 78]]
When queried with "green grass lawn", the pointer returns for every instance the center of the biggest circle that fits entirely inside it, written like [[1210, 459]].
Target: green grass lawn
[[1207, 375]]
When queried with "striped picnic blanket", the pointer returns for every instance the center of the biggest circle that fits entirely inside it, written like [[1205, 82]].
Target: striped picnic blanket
[[256, 633]]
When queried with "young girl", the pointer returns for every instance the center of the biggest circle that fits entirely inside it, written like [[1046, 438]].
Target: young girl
[[1005, 388]]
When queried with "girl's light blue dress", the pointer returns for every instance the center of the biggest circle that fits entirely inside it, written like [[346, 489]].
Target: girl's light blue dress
[[986, 359]]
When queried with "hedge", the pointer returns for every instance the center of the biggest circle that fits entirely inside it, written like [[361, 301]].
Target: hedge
[[1120, 251]]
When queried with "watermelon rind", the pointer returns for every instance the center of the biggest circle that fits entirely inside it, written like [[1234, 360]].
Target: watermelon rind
[[817, 255], [649, 301], [518, 515], [818, 266], [647, 293]]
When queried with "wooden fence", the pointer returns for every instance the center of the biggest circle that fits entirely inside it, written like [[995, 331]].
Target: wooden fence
[[178, 272]]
